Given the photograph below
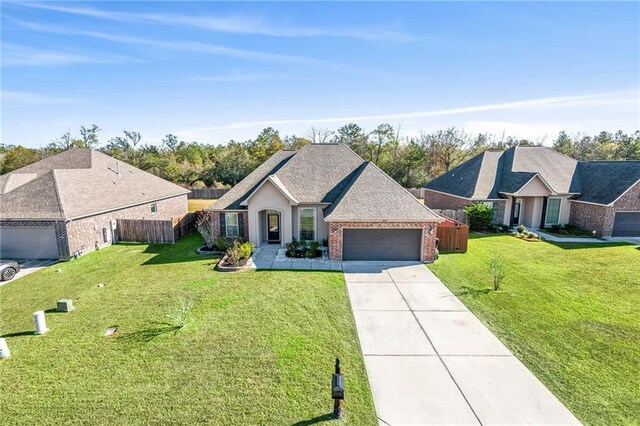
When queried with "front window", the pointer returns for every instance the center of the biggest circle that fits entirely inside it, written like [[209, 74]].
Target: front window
[[231, 223], [154, 208], [553, 211], [307, 224]]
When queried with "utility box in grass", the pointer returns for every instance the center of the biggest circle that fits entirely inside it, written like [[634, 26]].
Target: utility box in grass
[[65, 305]]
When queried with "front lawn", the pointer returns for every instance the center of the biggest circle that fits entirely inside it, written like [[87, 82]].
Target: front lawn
[[569, 311], [258, 347]]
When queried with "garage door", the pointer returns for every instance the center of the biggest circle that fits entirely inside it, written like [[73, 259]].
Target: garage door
[[381, 244], [28, 243], [627, 224]]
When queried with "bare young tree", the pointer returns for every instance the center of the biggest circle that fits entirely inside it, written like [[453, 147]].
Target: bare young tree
[[64, 142], [320, 135], [204, 225]]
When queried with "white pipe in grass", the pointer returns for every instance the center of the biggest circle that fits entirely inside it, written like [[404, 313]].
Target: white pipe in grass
[[39, 321], [4, 349]]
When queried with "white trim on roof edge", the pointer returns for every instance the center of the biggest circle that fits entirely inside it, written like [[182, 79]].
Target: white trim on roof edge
[[621, 195], [270, 178]]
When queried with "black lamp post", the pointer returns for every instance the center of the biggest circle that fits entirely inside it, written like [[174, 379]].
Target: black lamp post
[[337, 391]]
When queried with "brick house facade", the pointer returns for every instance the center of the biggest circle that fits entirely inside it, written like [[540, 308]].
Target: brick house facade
[[83, 235], [600, 218], [428, 252], [243, 221]]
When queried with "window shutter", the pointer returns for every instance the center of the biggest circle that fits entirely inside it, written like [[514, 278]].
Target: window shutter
[[223, 225], [241, 225]]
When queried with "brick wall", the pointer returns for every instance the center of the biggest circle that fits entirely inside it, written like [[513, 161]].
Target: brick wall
[[86, 234], [588, 216], [428, 241], [440, 201]]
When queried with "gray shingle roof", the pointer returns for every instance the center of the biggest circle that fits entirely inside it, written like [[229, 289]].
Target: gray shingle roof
[[491, 173], [373, 196], [232, 199], [76, 183], [602, 182], [332, 174]]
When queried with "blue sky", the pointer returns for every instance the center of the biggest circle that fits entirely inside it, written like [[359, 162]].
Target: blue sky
[[211, 71]]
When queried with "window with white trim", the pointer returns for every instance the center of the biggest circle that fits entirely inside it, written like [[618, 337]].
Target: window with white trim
[[232, 228], [553, 211], [307, 224], [154, 208]]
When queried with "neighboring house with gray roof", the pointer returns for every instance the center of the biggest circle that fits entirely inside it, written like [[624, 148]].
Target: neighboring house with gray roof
[[64, 205], [539, 187], [326, 192]]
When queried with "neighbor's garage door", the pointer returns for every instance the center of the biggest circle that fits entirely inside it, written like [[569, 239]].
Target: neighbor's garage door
[[626, 224], [381, 244], [28, 243]]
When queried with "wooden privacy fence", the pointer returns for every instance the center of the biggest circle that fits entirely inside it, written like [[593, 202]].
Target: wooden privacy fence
[[457, 215], [155, 230], [417, 192], [207, 193], [452, 236]]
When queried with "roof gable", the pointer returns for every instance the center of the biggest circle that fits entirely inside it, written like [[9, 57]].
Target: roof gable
[[373, 196], [277, 184]]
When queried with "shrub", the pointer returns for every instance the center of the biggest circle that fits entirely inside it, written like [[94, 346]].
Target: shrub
[[521, 229], [497, 267], [325, 243], [480, 216], [245, 250], [234, 253], [314, 245], [221, 243]]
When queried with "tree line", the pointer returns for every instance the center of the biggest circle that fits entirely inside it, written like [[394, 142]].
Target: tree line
[[410, 160]]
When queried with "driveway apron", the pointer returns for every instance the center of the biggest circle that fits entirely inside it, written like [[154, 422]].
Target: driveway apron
[[430, 361]]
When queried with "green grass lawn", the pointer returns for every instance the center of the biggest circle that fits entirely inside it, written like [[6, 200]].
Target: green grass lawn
[[259, 347], [570, 312], [199, 204]]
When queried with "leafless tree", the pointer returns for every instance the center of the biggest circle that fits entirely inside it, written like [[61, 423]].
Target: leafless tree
[[320, 135]]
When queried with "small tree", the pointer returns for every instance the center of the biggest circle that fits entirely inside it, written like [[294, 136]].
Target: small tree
[[204, 225], [497, 267], [480, 216]]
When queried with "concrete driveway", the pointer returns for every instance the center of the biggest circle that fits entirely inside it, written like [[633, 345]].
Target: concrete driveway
[[431, 361], [29, 266]]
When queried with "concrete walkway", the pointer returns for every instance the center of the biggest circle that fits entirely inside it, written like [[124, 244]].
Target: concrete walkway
[[265, 258], [431, 361]]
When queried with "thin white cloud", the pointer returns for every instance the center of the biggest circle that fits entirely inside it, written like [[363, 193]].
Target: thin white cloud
[[18, 55], [15, 97], [184, 46], [613, 98], [229, 24], [236, 78]]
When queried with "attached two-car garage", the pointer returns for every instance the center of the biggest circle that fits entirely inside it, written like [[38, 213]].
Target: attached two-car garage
[[381, 244], [626, 224], [26, 242]]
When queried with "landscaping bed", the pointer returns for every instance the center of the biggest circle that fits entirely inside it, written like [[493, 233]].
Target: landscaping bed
[[567, 310], [257, 348]]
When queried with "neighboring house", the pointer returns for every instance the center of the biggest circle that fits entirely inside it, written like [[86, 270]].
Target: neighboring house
[[326, 192], [66, 204], [539, 187]]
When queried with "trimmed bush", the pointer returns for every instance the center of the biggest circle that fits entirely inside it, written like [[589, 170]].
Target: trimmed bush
[[480, 216]]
